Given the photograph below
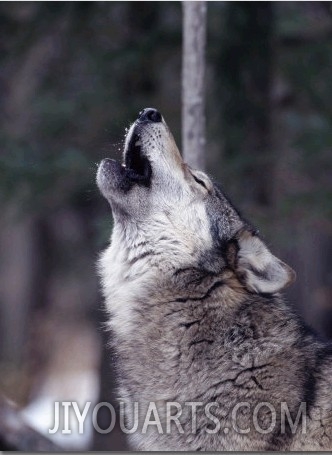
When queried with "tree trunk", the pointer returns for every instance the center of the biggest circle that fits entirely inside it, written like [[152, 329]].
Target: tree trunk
[[193, 87]]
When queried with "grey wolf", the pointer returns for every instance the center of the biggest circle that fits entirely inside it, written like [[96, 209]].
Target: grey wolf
[[193, 294]]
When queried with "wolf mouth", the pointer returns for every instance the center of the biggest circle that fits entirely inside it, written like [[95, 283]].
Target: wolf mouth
[[137, 166]]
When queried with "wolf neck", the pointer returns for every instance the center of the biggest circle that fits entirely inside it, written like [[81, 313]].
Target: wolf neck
[[137, 271], [161, 243]]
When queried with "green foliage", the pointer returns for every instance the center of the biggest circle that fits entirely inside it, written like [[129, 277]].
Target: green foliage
[[80, 72], [286, 48], [67, 103]]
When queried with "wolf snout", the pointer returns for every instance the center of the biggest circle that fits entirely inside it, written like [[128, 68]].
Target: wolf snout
[[149, 115]]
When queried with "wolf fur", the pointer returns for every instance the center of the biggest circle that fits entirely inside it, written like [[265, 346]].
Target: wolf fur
[[195, 310]]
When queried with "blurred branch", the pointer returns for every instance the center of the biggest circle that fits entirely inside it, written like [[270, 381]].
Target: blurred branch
[[16, 435]]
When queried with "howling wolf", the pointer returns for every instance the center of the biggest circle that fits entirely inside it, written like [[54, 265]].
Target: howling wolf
[[210, 357]]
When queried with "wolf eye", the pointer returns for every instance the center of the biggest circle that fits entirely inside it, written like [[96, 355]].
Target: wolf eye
[[199, 181]]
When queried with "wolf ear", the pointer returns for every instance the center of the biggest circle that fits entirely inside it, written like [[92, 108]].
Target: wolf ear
[[256, 267]]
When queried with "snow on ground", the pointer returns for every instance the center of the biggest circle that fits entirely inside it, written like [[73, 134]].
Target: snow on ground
[[72, 375]]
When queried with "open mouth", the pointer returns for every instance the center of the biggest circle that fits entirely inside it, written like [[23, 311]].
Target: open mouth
[[137, 166]]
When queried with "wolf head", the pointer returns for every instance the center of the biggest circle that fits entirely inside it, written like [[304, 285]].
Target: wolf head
[[180, 214]]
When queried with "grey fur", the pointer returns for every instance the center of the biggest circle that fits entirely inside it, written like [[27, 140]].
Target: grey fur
[[196, 314]]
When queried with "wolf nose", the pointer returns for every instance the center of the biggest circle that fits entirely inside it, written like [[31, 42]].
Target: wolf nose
[[149, 115]]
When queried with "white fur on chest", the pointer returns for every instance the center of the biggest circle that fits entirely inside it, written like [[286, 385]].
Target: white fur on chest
[[138, 259], [123, 283]]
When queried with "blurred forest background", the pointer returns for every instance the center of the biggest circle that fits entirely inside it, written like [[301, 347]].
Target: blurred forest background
[[73, 76]]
